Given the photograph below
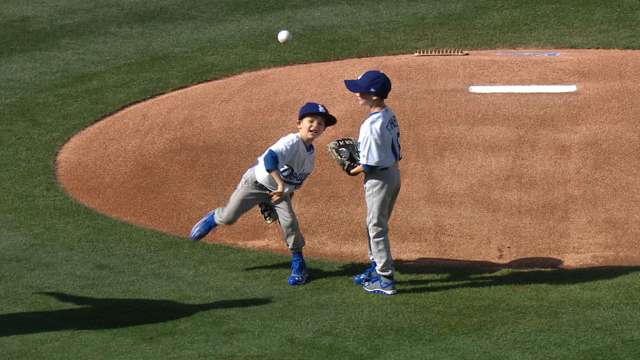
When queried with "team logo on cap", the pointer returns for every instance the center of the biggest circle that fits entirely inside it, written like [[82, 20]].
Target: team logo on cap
[[321, 109]]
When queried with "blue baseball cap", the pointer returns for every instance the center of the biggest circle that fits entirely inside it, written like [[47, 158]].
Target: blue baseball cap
[[312, 108], [372, 82]]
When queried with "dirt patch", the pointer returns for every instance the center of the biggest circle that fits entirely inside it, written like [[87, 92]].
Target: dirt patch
[[485, 177]]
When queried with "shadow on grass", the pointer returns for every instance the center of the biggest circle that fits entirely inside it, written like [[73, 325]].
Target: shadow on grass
[[463, 274], [347, 270], [455, 268], [466, 268], [460, 274], [98, 314]]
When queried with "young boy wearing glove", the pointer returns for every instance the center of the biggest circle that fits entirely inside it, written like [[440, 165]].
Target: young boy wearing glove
[[280, 170], [379, 148]]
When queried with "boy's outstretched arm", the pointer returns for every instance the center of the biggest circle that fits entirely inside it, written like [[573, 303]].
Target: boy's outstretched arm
[[271, 165], [277, 194]]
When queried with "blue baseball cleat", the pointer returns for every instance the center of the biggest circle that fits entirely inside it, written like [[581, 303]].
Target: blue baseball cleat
[[366, 275], [203, 227], [299, 272], [380, 285]]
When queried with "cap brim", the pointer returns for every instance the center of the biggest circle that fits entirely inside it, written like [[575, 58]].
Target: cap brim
[[353, 86], [329, 120]]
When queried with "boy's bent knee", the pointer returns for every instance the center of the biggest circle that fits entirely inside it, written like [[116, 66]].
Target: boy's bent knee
[[221, 219]]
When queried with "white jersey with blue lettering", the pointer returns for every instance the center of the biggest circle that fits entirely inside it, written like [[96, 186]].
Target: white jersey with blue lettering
[[295, 162], [379, 139]]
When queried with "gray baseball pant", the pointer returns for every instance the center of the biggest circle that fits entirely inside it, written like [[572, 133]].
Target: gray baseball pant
[[250, 193], [381, 188]]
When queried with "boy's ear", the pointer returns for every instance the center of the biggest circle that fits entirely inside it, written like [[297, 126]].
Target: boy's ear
[[377, 98]]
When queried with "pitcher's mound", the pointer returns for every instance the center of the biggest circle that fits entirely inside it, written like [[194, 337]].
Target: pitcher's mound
[[485, 176]]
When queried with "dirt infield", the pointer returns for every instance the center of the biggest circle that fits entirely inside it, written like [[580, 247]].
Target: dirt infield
[[485, 177]]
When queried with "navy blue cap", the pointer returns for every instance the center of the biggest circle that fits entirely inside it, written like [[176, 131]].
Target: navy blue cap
[[372, 82], [312, 108]]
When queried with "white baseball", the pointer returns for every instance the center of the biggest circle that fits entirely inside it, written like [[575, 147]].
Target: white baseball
[[284, 36]]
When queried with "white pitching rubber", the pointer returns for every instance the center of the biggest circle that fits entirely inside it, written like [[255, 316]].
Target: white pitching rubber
[[522, 89]]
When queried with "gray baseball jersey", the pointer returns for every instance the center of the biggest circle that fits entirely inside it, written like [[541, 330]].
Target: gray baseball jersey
[[295, 162]]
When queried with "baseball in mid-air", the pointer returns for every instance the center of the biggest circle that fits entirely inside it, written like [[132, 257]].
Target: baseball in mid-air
[[284, 36]]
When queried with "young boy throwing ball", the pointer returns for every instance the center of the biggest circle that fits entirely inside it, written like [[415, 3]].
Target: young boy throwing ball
[[280, 170], [379, 147]]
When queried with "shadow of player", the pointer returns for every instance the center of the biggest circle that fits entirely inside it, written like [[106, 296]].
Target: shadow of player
[[462, 274], [458, 274], [346, 270], [108, 313], [464, 268], [455, 268]]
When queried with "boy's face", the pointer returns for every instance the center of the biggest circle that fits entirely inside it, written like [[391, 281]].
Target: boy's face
[[366, 99], [310, 127]]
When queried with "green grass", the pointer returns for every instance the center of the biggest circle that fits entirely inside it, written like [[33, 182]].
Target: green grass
[[76, 284]]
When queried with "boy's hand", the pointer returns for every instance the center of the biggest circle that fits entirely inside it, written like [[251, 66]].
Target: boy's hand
[[349, 167], [354, 170], [276, 196]]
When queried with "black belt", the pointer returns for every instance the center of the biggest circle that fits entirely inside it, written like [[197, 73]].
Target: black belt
[[380, 169], [260, 186]]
